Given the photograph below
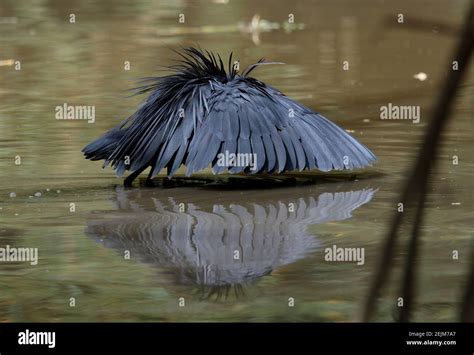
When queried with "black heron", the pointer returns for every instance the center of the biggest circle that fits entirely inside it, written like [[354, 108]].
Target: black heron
[[201, 113]]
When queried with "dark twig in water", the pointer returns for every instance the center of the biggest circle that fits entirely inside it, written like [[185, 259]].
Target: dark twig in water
[[409, 274], [416, 183], [467, 308]]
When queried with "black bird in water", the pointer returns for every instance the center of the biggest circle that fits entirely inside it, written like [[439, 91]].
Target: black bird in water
[[201, 114]]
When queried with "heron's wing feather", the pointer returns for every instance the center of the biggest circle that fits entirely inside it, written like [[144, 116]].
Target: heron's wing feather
[[253, 119], [158, 134]]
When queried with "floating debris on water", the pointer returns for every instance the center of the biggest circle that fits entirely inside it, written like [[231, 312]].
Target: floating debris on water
[[6, 62], [38, 194], [12, 194], [420, 76], [256, 26]]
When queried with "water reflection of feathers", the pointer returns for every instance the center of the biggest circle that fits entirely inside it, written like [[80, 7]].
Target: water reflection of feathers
[[225, 243]]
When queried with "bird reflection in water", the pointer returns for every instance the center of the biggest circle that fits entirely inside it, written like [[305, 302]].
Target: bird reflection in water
[[222, 240]]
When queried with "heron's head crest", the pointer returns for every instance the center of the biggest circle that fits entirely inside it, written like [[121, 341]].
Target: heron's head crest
[[202, 64]]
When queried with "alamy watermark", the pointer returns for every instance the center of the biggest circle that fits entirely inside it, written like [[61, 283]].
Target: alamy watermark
[[345, 254], [75, 112], [397, 112], [14, 254], [29, 337], [231, 160]]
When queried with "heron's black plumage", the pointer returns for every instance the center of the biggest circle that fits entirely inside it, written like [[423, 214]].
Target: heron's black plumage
[[201, 111]]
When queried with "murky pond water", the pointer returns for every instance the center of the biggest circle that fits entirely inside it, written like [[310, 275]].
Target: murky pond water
[[138, 254]]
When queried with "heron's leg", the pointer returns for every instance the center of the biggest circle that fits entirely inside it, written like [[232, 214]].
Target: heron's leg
[[149, 181], [152, 163], [128, 181]]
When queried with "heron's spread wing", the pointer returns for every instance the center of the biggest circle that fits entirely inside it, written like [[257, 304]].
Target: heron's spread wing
[[275, 133]]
